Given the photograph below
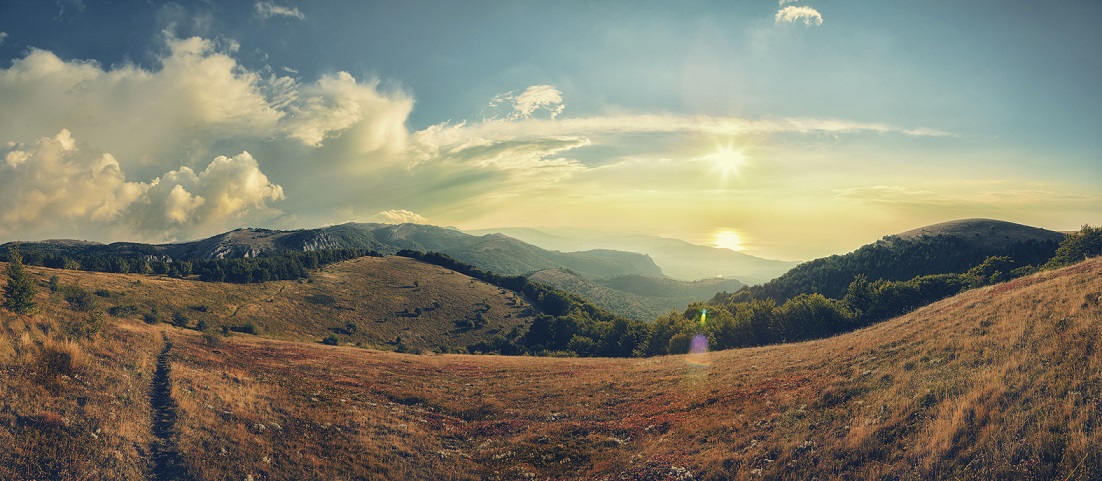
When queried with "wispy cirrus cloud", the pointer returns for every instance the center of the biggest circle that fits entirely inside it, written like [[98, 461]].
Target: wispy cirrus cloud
[[792, 14], [268, 10]]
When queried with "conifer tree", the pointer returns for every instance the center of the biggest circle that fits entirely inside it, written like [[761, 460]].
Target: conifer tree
[[19, 291]]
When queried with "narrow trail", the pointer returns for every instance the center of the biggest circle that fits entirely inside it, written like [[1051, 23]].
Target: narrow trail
[[167, 461]]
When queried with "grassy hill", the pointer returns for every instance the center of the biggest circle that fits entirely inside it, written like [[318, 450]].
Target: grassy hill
[[998, 382], [636, 297], [369, 301], [498, 253], [950, 247]]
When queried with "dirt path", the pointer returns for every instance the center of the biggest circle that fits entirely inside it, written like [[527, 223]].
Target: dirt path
[[167, 461]]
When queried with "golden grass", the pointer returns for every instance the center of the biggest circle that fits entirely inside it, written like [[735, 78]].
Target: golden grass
[[1003, 382], [384, 298]]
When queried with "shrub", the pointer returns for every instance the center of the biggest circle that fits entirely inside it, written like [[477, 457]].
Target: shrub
[[59, 358], [180, 319], [211, 339], [153, 317], [79, 299], [55, 283], [249, 328], [87, 328], [331, 340], [202, 325], [321, 299], [128, 310]]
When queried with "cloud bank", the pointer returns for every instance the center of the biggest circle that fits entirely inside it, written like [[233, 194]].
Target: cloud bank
[[54, 186]]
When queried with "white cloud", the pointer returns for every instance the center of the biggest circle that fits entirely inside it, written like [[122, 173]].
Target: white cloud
[[268, 10], [219, 196], [398, 216], [792, 14], [625, 124], [199, 98], [55, 186], [338, 103], [782, 2], [532, 99], [3, 36]]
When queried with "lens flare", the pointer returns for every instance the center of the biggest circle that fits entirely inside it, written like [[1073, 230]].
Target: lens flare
[[698, 351]]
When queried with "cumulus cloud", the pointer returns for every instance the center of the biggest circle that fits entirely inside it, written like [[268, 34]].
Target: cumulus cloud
[[792, 14], [398, 216], [268, 10], [337, 103], [532, 99], [53, 185]]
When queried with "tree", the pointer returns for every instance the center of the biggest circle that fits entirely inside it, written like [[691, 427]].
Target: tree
[[19, 291]]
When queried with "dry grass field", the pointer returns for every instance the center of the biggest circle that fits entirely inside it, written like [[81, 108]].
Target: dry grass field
[[1003, 382], [368, 301]]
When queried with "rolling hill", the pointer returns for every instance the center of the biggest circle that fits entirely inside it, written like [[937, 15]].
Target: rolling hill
[[368, 301], [636, 297], [995, 383], [497, 253], [950, 247]]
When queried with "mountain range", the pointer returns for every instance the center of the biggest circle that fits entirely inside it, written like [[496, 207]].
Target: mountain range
[[679, 259]]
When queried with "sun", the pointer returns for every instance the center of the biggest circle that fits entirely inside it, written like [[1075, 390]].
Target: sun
[[727, 161], [728, 239]]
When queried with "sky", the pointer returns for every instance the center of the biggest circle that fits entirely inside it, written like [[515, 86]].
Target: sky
[[788, 130]]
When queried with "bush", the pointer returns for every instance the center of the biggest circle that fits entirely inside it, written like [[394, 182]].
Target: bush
[[249, 328], [153, 317], [202, 325], [59, 358], [87, 328], [128, 310], [211, 339], [321, 299], [180, 319], [79, 299], [1077, 246], [331, 340]]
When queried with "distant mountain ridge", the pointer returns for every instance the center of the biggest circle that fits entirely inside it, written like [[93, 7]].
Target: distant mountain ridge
[[677, 258], [494, 252]]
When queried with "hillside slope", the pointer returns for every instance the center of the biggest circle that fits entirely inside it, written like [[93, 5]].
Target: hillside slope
[[950, 247], [369, 301], [999, 382], [498, 253], [635, 297]]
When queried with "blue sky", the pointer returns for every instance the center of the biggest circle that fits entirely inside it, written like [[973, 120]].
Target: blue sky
[[789, 130]]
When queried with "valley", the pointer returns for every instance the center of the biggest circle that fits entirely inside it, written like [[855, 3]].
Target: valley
[[995, 382]]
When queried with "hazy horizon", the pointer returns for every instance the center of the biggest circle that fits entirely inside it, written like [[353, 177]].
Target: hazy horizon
[[787, 130]]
